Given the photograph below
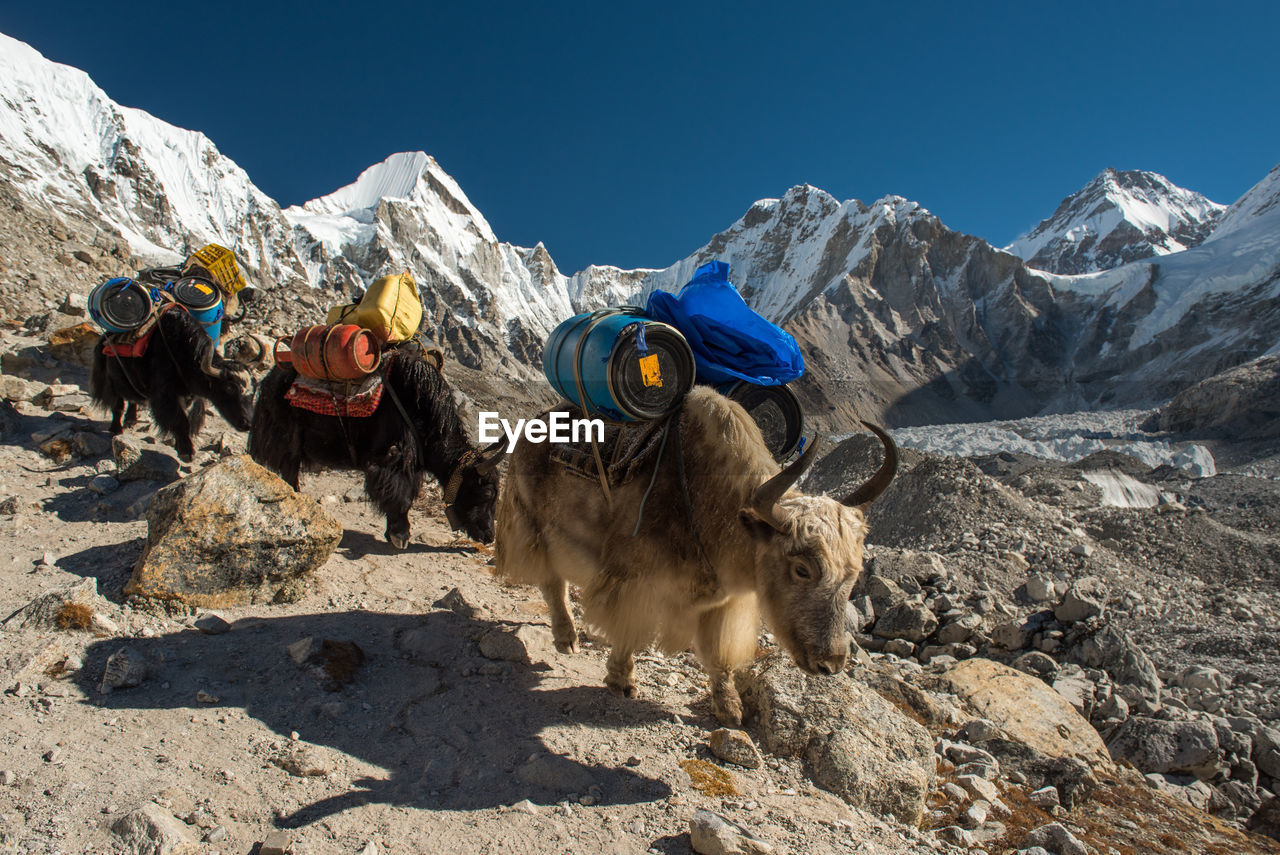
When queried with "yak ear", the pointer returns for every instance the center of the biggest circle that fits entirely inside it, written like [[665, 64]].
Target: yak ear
[[759, 527]]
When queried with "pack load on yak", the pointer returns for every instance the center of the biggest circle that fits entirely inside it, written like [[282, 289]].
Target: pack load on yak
[[630, 364], [336, 363], [205, 285]]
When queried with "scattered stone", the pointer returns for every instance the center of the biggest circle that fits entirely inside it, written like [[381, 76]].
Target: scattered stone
[[103, 485], [204, 697], [854, 743], [277, 843], [455, 602], [1045, 798], [1036, 663], [910, 621], [91, 444], [884, 594], [526, 644], [978, 730], [735, 746], [900, 647], [301, 760], [975, 814], [211, 623], [1266, 820], [231, 534], [1173, 747], [1040, 588], [71, 606], [959, 630], [125, 669], [134, 463], [151, 830], [1056, 839], [711, 834], [979, 788], [75, 345], [1011, 635], [1083, 600]]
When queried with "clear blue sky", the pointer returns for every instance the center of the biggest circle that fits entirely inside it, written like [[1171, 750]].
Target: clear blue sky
[[628, 134]]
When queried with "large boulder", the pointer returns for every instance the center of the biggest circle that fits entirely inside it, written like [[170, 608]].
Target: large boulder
[[1243, 403], [1168, 747], [1115, 652], [852, 741], [1026, 709], [232, 534]]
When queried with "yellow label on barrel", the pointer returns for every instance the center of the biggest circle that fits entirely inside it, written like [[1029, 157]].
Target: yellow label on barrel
[[650, 373], [221, 262], [202, 288]]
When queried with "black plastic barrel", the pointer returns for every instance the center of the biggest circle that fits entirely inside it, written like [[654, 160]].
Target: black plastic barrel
[[120, 305], [775, 409]]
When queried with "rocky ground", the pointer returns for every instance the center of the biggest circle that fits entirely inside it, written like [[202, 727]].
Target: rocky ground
[[1040, 670]]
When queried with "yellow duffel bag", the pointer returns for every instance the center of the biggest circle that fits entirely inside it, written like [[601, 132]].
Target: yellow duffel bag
[[390, 309]]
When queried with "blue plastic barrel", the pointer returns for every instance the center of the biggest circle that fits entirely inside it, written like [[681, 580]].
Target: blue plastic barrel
[[120, 305], [628, 367], [202, 300]]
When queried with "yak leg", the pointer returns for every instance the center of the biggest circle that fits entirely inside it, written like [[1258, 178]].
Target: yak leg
[[620, 674], [118, 409], [171, 418], [726, 639], [393, 494], [563, 632], [131, 414], [195, 414]]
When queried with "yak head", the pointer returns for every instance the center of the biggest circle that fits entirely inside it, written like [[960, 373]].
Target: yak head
[[808, 557], [470, 505], [231, 388]]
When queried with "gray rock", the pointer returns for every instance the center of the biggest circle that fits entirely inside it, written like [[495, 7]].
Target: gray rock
[[711, 834], [526, 644], [735, 746], [1085, 599], [1168, 747], [91, 444], [1045, 798], [75, 305], [1011, 635], [859, 614], [884, 594], [232, 533], [1035, 663], [959, 630], [1268, 761], [212, 624], [854, 743], [1116, 653], [455, 602], [1242, 800], [978, 730], [1056, 839], [151, 830], [1266, 819], [1040, 588], [142, 464], [125, 669], [913, 622], [103, 485], [899, 647]]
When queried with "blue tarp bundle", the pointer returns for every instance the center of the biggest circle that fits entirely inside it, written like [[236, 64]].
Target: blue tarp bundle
[[729, 340]]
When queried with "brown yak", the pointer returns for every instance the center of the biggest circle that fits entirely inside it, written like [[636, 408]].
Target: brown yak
[[698, 570]]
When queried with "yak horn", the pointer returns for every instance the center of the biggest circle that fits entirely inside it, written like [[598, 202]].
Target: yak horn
[[489, 460], [768, 493], [879, 482], [434, 354], [206, 362]]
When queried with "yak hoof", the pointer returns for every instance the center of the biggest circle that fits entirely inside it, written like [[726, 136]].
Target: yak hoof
[[186, 456], [399, 541], [728, 711], [567, 646], [622, 690]]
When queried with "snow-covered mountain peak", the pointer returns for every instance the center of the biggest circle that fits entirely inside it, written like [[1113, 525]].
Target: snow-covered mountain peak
[[1118, 217], [1262, 200], [410, 176]]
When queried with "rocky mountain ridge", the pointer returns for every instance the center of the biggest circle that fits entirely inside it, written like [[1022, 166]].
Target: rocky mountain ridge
[[900, 317]]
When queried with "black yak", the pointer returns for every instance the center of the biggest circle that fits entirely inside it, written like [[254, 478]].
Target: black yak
[[393, 449], [178, 371]]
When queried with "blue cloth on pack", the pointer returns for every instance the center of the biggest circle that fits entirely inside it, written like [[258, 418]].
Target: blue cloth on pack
[[729, 340]]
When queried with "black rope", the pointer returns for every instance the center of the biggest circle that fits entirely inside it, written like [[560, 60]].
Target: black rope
[[666, 431], [688, 503]]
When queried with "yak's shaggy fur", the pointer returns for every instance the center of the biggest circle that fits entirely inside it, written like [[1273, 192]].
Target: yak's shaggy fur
[[393, 455], [177, 374], [678, 582]]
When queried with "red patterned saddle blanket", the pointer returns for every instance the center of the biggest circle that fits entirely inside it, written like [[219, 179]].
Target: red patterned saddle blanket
[[355, 399]]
